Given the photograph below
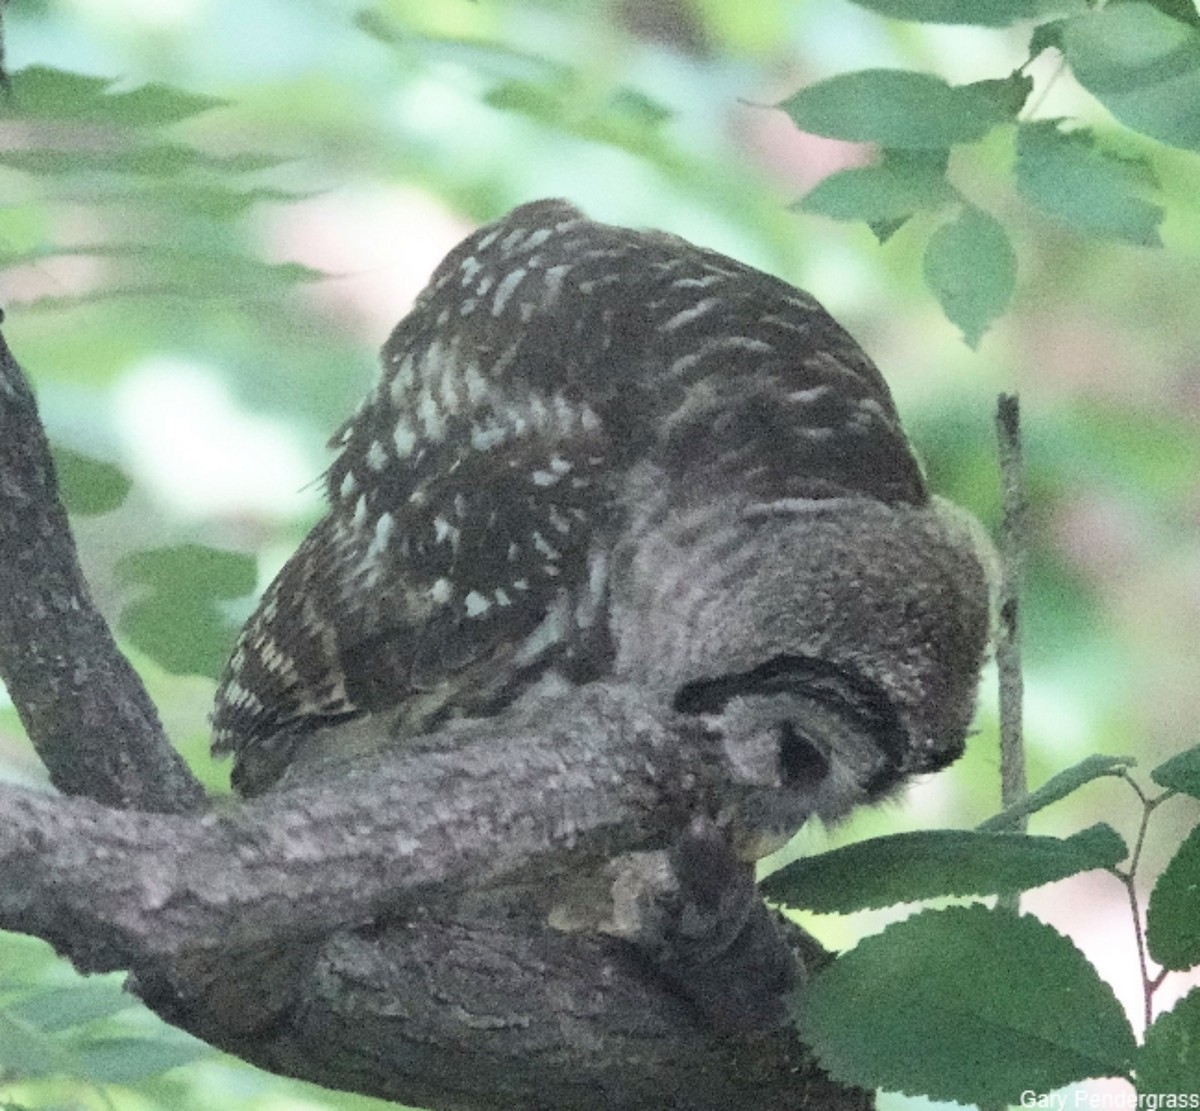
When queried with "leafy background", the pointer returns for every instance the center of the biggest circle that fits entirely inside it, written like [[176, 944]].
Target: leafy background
[[198, 283]]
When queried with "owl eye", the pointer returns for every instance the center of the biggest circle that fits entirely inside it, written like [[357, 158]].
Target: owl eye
[[801, 763]]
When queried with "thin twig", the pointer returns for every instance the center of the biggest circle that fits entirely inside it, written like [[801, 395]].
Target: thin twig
[[1130, 883], [1013, 786], [1128, 878]]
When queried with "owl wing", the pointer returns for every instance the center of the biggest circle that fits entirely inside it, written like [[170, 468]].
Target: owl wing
[[447, 576], [479, 489]]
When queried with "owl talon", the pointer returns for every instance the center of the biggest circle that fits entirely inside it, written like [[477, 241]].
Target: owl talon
[[694, 912]]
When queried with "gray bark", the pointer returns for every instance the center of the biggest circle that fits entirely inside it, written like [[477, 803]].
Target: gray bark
[[374, 927]]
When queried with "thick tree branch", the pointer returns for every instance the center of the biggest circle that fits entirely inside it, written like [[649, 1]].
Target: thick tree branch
[[239, 923], [394, 831], [82, 705]]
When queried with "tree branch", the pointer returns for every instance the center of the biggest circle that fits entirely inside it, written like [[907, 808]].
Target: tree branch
[[488, 801], [83, 706], [474, 1015]]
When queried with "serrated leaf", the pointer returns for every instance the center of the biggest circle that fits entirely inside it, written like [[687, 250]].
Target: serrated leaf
[[180, 623], [981, 13], [1169, 1058], [903, 182], [1058, 787], [1143, 66], [971, 268], [1068, 179], [62, 1008], [1180, 773], [895, 108], [965, 1004], [129, 1059], [1173, 915], [928, 864], [88, 487]]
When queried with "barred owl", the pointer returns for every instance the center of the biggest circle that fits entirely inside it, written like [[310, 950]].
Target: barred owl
[[598, 452]]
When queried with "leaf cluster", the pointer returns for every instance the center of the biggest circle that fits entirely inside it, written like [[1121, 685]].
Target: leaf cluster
[[167, 208], [1140, 60], [975, 1004], [76, 1031]]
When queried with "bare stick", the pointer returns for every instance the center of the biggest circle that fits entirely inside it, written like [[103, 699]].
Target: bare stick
[[1013, 786]]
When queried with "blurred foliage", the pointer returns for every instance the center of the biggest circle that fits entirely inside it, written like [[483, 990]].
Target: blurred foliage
[[221, 206]]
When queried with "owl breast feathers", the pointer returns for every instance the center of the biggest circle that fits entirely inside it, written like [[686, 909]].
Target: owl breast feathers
[[566, 403]]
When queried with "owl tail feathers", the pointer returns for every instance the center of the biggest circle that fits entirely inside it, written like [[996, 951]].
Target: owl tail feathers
[[257, 766], [261, 758]]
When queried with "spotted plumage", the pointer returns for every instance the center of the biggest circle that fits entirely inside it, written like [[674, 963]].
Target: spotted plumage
[[480, 491]]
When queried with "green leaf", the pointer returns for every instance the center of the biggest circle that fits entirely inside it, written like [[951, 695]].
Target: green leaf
[[216, 202], [62, 1008], [156, 105], [1058, 787], [129, 1059], [1169, 1059], [186, 636], [965, 1004], [1046, 36], [191, 567], [627, 119], [1181, 772], [1183, 10], [151, 161], [1173, 916], [1068, 179], [1143, 66], [933, 863], [885, 229], [88, 486], [1008, 94], [148, 269], [896, 108], [982, 13], [903, 182], [972, 270], [43, 92], [180, 623], [28, 1052]]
